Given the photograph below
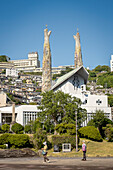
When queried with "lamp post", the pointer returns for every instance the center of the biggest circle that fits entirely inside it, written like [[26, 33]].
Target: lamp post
[[76, 131]]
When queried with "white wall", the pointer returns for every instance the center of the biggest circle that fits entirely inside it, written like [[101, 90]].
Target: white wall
[[111, 63]]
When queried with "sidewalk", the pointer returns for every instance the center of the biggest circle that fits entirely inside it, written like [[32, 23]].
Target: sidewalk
[[104, 162]]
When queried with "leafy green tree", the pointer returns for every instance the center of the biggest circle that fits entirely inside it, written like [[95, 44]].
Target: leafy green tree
[[17, 128], [110, 100], [64, 128], [5, 128], [108, 131], [106, 80], [100, 68], [99, 120], [3, 58], [105, 68], [48, 126], [39, 137], [59, 107], [27, 129], [34, 125], [92, 74]]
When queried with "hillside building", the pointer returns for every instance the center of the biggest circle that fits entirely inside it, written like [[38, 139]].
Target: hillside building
[[111, 63], [27, 64], [12, 72]]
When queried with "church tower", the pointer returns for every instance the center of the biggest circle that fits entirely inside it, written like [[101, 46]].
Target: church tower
[[46, 65], [78, 53]]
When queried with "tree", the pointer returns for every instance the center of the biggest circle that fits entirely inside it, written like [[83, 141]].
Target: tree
[[110, 100], [39, 137], [108, 131], [5, 127], [27, 128], [99, 120], [100, 68], [35, 125], [64, 128], [59, 107], [106, 80], [17, 128], [92, 74], [3, 58]]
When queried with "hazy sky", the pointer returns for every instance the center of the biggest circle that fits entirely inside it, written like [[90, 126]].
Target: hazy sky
[[22, 24]]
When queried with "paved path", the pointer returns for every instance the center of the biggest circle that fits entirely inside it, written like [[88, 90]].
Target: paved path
[[56, 164]]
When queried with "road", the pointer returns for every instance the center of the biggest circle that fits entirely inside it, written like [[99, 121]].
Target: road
[[56, 164]]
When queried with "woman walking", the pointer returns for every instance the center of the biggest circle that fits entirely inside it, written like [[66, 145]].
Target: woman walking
[[44, 152], [84, 151]]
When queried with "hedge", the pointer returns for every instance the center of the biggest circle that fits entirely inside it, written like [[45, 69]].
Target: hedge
[[4, 138], [90, 132], [2, 146], [19, 140], [60, 139], [15, 140]]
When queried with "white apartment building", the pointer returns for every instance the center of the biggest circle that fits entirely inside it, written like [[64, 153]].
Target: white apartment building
[[29, 64], [12, 72], [111, 63]]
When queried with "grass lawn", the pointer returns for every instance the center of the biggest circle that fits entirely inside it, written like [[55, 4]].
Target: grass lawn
[[94, 149]]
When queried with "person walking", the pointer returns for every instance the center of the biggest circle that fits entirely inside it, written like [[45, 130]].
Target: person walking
[[84, 150], [44, 152]]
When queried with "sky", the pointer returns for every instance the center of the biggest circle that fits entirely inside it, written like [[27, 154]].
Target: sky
[[22, 24]]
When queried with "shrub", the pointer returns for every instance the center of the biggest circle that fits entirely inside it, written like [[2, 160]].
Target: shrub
[[63, 128], [17, 128], [90, 132], [5, 127], [19, 140], [60, 139]]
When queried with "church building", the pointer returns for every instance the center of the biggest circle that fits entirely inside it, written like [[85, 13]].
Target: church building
[[74, 83]]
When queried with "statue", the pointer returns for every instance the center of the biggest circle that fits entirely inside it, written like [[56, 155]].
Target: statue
[[78, 54], [46, 65]]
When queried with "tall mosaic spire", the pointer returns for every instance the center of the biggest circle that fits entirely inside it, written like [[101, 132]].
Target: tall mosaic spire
[[78, 53], [46, 65]]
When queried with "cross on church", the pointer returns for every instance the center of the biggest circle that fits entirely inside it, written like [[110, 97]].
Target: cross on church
[[98, 101]]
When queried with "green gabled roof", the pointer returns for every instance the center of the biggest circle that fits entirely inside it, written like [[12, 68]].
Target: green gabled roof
[[69, 74]]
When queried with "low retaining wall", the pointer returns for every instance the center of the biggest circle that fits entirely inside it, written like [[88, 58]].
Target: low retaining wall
[[16, 153]]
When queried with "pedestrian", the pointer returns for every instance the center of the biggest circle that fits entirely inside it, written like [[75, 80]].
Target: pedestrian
[[84, 151], [44, 152]]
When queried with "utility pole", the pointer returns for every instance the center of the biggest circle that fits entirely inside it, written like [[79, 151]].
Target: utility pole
[[76, 131]]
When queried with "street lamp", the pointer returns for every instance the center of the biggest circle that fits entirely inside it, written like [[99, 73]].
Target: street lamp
[[76, 131]]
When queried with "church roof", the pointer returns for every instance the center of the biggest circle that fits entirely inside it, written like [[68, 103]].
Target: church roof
[[80, 70]]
